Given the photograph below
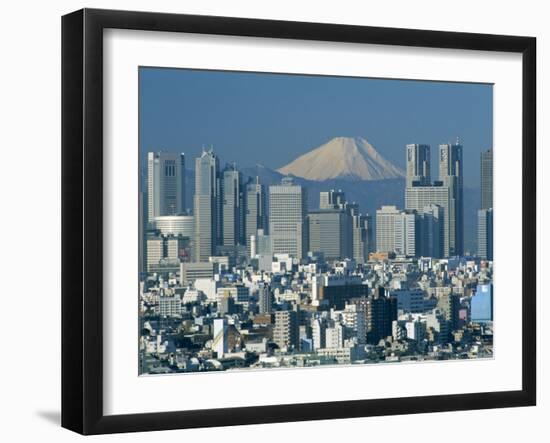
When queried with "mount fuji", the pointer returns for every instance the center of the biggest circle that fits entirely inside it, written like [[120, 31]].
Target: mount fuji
[[348, 158]]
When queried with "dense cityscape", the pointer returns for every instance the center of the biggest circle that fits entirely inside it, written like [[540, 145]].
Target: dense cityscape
[[252, 277]]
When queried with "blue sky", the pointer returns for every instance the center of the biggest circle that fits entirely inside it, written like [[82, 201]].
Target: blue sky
[[271, 119]]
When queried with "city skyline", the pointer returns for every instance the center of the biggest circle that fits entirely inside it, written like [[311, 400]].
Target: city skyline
[[271, 119], [277, 267]]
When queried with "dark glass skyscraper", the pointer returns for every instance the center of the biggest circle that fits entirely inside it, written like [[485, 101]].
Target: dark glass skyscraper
[[485, 233], [233, 207], [486, 161]]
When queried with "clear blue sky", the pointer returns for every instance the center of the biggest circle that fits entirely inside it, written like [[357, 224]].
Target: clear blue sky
[[271, 119]]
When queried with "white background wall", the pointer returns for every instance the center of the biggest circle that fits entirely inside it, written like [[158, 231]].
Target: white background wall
[[30, 183]]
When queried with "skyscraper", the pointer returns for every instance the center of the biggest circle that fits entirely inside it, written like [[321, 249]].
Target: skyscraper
[[332, 199], [418, 165], [330, 233], [287, 214], [256, 210], [165, 184], [232, 207], [485, 234], [487, 179], [206, 205], [451, 174], [385, 228], [397, 231], [431, 231], [142, 231], [406, 233], [362, 242], [418, 197], [447, 193]]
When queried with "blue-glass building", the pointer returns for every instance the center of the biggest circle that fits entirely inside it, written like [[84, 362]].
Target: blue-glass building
[[482, 304]]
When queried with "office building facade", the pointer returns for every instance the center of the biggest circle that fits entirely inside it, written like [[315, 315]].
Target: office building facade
[[233, 207], [418, 165], [329, 232], [396, 231], [286, 331], [287, 217], [165, 184], [486, 172], [207, 208], [485, 234]]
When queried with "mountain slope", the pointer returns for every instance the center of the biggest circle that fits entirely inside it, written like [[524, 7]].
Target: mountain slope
[[351, 158]]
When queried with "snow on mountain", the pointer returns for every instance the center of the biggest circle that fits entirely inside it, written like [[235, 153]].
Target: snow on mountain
[[352, 158]]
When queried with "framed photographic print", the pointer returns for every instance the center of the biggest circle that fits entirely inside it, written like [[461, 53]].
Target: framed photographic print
[[269, 221]]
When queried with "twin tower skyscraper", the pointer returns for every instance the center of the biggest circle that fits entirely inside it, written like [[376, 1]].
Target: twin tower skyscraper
[[447, 192]]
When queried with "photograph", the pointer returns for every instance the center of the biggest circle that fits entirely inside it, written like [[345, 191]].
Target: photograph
[[297, 220]]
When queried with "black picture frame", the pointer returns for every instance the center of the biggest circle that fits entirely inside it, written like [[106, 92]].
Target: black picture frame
[[82, 215]]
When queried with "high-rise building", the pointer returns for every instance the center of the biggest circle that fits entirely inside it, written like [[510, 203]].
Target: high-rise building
[[431, 235], [256, 211], [362, 242], [354, 317], [265, 299], [409, 300], [334, 336], [381, 312], [447, 193], [260, 244], [449, 305], [233, 207], [385, 228], [142, 231], [318, 332], [332, 199], [481, 304], [285, 331], [165, 184], [155, 252], [287, 215], [485, 233], [207, 211], [330, 233], [487, 179], [418, 165], [406, 233], [419, 197], [396, 231], [451, 174]]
